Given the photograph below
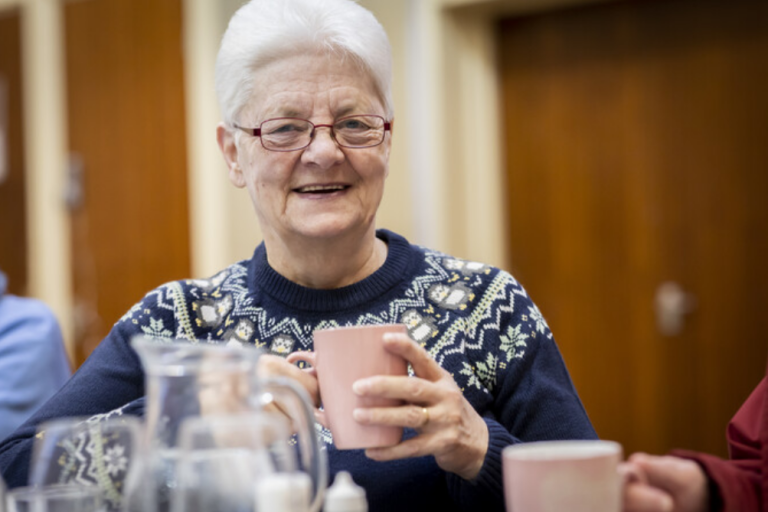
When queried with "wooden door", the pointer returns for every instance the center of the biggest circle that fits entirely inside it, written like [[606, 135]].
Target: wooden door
[[13, 224], [125, 102], [636, 155]]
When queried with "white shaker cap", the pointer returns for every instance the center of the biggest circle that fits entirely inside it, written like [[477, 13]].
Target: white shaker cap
[[345, 495]]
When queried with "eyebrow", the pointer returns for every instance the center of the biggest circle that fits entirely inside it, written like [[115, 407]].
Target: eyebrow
[[289, 112], [293, 112], [345, 111]]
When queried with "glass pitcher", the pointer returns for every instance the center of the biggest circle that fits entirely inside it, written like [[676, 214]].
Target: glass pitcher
[[241, 463], [199, 379]]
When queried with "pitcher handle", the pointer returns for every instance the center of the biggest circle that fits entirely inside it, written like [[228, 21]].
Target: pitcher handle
[[282, 387]]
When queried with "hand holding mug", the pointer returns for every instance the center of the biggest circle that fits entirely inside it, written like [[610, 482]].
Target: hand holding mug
[[342, 356], [432, 403], [665, 484], [270, 366]]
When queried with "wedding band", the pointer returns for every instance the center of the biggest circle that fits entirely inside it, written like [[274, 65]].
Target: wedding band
[[425, 412]]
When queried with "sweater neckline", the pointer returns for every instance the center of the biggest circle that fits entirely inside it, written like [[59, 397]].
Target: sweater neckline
[[263, 278]]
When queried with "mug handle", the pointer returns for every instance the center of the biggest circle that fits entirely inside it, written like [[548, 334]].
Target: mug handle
[[307, 357], [292, 394], [311, 358]]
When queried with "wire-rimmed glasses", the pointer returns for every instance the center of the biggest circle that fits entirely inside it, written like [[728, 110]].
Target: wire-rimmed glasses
[[295, 133]]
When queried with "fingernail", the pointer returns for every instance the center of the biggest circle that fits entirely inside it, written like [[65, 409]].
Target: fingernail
[[360, 414], [360, 387]]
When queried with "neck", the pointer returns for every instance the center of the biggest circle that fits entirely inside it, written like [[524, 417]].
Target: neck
[[327, 263]]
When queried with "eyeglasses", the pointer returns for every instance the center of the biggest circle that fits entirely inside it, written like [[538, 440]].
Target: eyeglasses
[[293, 133]]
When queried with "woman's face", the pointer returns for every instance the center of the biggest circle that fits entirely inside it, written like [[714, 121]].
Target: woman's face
[[322, 191]]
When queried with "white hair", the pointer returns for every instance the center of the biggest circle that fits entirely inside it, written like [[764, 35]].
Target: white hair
[[262, 31]]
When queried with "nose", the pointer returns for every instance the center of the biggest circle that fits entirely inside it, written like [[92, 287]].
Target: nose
[[323, 150]]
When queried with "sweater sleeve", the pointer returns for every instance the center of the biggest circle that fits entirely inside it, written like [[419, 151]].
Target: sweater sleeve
[[738, 482], [533, 399], [486, 490], [108, 380], [33, 364]]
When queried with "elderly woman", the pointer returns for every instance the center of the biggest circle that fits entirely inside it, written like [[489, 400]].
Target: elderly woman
[[305, 91]]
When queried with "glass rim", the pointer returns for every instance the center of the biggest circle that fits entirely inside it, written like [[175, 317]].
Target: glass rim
[[31, 492]]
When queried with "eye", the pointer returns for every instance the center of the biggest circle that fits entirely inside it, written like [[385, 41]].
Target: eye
[[284, 126], [352, 124]]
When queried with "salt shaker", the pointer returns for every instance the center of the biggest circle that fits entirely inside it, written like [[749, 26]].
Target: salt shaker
[[345, 496]]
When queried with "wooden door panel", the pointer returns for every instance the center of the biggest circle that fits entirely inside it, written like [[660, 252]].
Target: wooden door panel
[[13, 215], [635, 155], [127, 128]]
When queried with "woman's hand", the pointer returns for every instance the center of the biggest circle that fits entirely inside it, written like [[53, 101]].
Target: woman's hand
[[270, 366], [449, 427], [664, 484]]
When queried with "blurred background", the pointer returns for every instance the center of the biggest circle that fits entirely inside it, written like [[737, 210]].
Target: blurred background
[[610, 154]]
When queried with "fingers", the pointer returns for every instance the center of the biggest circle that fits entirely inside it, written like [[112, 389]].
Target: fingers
[[665, 472], [632, 474], [414, 447], [449, 428], [682, 481], [413, 416], [275, 366], [423, 365], [412, 390], [643, 498]]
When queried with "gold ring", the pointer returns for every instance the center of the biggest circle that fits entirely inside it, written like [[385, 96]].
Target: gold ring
[[425, 412]]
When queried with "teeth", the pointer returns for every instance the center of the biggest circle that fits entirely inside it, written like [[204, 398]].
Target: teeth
[[319, 188]]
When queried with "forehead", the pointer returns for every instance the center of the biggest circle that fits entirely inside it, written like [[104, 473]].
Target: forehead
[[312, 86]]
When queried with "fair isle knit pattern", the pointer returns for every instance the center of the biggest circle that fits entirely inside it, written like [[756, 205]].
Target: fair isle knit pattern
[[476, 321], [453, 307]]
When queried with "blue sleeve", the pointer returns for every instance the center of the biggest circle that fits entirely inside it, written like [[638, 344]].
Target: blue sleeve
[[33, 363], [535, 400], [108, 380]]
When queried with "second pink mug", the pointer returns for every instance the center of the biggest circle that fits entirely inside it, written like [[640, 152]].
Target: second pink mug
[[556, 476], [341, 357]]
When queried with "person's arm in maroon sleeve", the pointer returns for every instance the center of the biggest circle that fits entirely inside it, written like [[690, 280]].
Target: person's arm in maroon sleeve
[[738, 482], [697, 482]]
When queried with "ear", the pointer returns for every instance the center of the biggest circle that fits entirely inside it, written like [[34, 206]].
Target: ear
[[226, 139]]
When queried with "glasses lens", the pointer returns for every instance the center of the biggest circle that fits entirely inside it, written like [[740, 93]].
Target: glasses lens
[[359, 131], [285, 134]]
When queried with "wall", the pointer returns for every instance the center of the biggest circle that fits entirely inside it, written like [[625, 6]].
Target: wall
[[444, 188]]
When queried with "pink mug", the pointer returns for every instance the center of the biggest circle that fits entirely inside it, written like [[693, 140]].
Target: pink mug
[[553, 476], [341, 357]]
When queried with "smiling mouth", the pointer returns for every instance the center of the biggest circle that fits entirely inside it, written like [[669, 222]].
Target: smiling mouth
[[320, 189]]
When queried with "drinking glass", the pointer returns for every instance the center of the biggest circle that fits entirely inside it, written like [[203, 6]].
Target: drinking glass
[[99, 453], [56, 498]]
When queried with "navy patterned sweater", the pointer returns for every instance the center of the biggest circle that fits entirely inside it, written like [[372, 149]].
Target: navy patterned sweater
[[475, 320]]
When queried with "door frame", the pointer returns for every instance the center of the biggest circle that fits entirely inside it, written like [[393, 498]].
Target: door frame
[[46, 153], [44, 120]]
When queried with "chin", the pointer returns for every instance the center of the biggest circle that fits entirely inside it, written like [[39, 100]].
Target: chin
[[320, 227]]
